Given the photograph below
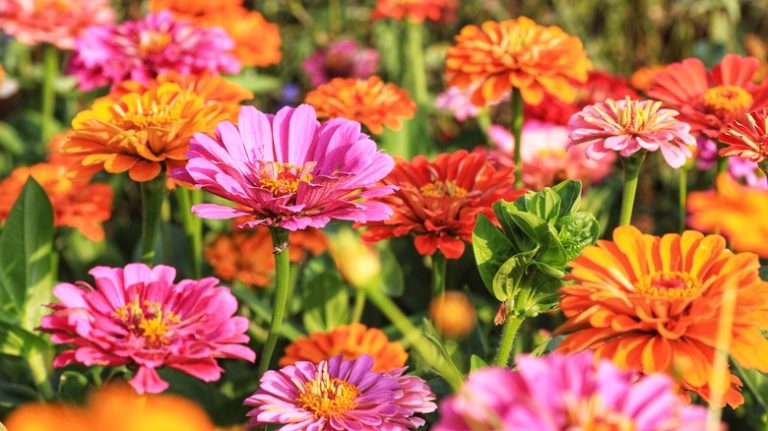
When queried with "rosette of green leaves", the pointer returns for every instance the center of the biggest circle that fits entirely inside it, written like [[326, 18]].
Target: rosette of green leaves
[[523, 262]]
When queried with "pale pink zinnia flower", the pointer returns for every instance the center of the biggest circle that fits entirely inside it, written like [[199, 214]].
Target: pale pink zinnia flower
[[288, 170], [340, 395], [141, 50], [458, 102], [138, 316], [57, 22], [628, 126], [341, 59], [560, 392]]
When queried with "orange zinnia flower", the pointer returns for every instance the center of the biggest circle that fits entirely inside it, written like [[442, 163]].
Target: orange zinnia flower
[[642, 79], [747, 137], [494, 58], [142, 131], [369, 101], [416, 10], [76, 202], [734, 210], [653, 304], [351, 341]]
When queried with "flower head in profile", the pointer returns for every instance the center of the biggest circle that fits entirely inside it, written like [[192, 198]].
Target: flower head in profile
[[747, 137], [371, 101], [141, 50], [628, 126], [57, 22], [562, 392], [138, 315], [653, 304], [340, 395], [516, 53], [288, 170], [439, 201], [416, 10], [350, 341], [709, 101], [341, 59]]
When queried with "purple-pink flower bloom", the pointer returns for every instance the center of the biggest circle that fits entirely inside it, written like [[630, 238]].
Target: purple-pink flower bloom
[[288, 170], [561, 392], [340, 395], [341, 59], [628, 126], [138, 316], [141, 50]]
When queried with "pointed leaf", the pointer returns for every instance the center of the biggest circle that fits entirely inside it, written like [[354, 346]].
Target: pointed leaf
[[491, 249], [326, 302], [570, 196]]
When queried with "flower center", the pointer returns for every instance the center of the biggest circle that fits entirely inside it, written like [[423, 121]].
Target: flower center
[[672, 284], [137, 118], [338, 64], [153, 42], [589, 414], [555, 153], [147, 320], [439, 189], [634, 116], [328, 397], [727, 100], [284, 178]]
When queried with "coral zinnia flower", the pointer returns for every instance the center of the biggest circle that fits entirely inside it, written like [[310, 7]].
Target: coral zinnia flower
[[57, 22], [416, 10], [439, 201], [370, 101], [341, 59], [350, 341], [628, 126], [288, 170], [747, 137], [735, 211], [141, 50], [560, 392], [141, 132], [340, 395], [709, 101], [643, 78], [517, 53], [76, 202], [653, 304], [137, 315]]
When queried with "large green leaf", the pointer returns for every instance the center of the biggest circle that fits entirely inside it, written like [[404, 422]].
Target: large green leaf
[[507, 281], [570, 196], [577, 231], [491, 249], [545, 204]]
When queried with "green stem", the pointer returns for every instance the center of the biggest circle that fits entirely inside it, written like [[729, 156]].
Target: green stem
[[682, 197], [335, 16], [751, 385], [516, 127], [357, 311], [38, 364], [632, 166], [439, 266], [511, 326], [484, 121], [282, 293], [414, 39], [50, 70], [193, 227], [152, 197]]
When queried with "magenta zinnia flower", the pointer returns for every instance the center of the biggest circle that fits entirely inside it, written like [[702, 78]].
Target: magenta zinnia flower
[[560, 392], [138, 316], [341, 59], [141, 50], [628, 126], [340, 395], [288, 170]]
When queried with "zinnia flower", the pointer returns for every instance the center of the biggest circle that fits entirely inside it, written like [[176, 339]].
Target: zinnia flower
[[138, 316], [453, 314], [560, 392], [141, 50], [288, 170], [341, 59], [458, 102], [748, 172], [653, 304], [371, 102], [439, 201], [350, 341], [76, 202], [709, 101], [643, 78], [747, 137], [340, 395], [57, 22], [628, 126], [517, 53], [416, 10]]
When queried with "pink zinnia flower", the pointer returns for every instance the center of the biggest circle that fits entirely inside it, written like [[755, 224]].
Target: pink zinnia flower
[[341, 59], [141, 50], [288, 170], [340, 395], [57, 22], [138, 316], [560, 392], [458, 102], [628, 126]]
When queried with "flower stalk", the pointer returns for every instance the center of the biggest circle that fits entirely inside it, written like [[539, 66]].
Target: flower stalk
[[283, 288], [152, 197], [632, 167], [516, 128], [50, 71], [414, 39], [439, 267], [682, 197], [509, 333], [193, 227]]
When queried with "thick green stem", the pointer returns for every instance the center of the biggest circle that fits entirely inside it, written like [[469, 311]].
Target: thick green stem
[[357, 311], [516, 127], [50, 70], [193, 227], [414, 35], [282, 293], [682, 197], [439, 266], [152, 196], [632, 166], [511, 326], [38, 365]]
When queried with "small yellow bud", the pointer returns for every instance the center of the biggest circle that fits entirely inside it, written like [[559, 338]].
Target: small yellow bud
[[357, 262], [453, 314]]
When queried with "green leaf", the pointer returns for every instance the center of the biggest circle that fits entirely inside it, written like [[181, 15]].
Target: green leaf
[[532, 225], [538, 294], [552, 251], [476, 362], [491, 249], [392, 276], [26, 256], [10, 140], [506, 282], [570, 196], [326, 302], [576, 232], [16, 341], [545, 204], [520, 241]]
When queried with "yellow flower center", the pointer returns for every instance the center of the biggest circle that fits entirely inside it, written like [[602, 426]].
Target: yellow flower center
[[634, 116], [727, 100], [326, 397], [138, 118], [590, 415], [672, 285], [153, 42], [147, 320], [558, 153], [284, 178], [439, 189]]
